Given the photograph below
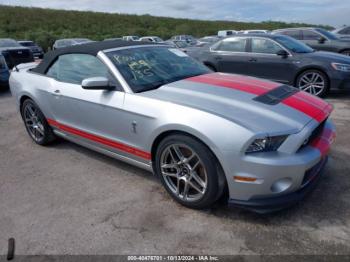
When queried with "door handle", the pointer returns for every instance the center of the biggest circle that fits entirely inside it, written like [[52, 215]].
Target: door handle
[[252, 60], [218, 58]]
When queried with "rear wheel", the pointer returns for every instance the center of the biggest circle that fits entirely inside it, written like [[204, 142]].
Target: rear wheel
[[36, 124], [189, 171], [314, 82]]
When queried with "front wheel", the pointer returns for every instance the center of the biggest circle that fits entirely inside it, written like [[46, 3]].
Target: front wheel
[[314, 82], [189, 171], [36, 124]]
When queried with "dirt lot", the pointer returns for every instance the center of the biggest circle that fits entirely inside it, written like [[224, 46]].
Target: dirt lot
[[65, 199]]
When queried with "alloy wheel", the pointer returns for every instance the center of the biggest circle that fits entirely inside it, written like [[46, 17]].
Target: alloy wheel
[[33, 122], [184, 172], [312, 82]]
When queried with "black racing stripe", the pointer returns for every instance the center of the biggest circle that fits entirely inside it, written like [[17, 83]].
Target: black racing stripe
[[276, 95]]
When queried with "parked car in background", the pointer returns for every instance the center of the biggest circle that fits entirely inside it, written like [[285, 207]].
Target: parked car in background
[[260, 144], [207, 40], [225, 33], [36, 50], [182, 45], [342, 32], [279, 58], [152, 39], [14, 53], [318, 38], [131, 38], [255, 31], [4, 73], [113, 39], [60, 43], [185, 38]]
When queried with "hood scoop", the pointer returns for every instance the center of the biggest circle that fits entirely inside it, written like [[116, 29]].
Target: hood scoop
[[275, 96]]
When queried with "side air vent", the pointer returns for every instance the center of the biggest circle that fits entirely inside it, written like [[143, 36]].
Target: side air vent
[[276, 95]]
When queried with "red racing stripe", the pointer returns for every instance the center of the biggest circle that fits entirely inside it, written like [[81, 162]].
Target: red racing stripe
[[308, 104], [229, 83], [101, 140], [324, 141]]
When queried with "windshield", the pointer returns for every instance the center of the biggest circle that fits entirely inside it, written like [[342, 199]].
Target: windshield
[[158, 39], [327, 34], [27, 43], [8, 43], [293, 45], [82, 40], [148, 68]]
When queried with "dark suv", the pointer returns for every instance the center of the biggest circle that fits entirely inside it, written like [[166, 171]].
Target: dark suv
[[318, 38], [36, 50], [279, 58], [14, 53]]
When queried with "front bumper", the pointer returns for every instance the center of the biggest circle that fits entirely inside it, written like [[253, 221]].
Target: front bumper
[[279, 179], [272, 204]]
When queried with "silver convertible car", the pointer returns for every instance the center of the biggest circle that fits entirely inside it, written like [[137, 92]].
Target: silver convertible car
[[203, 134]]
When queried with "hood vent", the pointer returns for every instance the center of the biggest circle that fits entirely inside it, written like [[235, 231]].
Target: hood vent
[[276, 95]]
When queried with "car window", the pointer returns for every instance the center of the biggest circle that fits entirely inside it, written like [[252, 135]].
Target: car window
[[232, 45], [292, 33], [264, 46], [310, 35], [59, 43], [74, 68]]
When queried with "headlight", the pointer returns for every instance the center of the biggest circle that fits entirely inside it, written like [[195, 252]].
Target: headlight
[[266, 144], [341, 67]]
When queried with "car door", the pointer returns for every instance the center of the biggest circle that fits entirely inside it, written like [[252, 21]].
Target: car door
[[230, 55], [316, 40], [96, 112], [265, 63]]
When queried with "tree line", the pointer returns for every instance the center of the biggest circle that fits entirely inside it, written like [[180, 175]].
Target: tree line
[[44, 26]]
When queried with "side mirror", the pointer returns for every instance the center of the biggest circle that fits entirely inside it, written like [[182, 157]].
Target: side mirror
[[321, 40], [97, 83], [283, 53]]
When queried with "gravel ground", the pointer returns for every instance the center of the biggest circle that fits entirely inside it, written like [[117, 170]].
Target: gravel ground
[[65, 199]]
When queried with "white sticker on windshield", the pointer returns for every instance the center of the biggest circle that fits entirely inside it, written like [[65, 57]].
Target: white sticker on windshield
[[177, 52]]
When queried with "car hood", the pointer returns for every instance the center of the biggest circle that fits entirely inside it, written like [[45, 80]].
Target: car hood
[[258, 105], [333, 57]]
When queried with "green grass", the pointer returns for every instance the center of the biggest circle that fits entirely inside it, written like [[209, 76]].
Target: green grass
[[46, 25]]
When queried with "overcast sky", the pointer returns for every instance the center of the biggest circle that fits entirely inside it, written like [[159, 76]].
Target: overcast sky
[[331, 12]]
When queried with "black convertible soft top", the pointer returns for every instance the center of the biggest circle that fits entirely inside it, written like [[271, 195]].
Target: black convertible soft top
[[89, 48]]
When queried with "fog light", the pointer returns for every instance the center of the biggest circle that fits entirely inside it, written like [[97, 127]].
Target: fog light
[[281, 185]]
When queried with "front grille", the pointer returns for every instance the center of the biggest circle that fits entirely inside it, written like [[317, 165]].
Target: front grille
[[18, 56], [315, 133]]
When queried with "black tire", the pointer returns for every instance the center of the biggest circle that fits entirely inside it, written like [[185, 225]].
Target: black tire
[[324, 77], [212, 68], [47, 135], [215, 181]]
